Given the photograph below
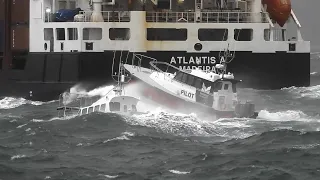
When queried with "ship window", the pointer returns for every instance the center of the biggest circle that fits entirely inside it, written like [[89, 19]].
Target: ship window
[[166, 34], [90, 109], [243, 34], [125, 108], [48, 34], [198, 83], [179, 75], [190, 80], [96, 108], [217, 86], [266, 34], [184, 78], [103, 107], [234, 88], [119, 33], [134, 108], [72, 34], [84, 111], [226, 86], [61, 34], [92, 33], [114, 106], [213, 34]]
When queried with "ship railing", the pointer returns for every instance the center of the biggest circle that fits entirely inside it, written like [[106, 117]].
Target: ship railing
[[108, 16], [138, 58], [206, 17]]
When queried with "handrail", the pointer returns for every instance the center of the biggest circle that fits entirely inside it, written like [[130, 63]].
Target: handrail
[[205, 17]]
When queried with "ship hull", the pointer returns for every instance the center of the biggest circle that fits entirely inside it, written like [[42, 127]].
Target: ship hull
[[49, 74]]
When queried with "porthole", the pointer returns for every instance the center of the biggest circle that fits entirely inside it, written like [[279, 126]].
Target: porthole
[[198, 47]]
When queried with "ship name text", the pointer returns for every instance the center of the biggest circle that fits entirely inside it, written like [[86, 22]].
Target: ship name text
[[205, 63]]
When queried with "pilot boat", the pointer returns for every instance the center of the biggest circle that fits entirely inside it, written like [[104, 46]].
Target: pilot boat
[[204, 92]]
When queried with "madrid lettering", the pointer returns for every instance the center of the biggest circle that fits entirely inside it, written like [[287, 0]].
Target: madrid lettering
[[194, 62], [187, 94]]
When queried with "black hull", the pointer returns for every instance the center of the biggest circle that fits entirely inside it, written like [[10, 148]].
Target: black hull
[[49, 74]]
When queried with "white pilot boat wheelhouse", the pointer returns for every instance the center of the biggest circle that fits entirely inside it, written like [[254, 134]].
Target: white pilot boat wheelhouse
[[204, 92]]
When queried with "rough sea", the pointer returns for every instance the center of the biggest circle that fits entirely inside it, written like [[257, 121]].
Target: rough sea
[[282, 143]]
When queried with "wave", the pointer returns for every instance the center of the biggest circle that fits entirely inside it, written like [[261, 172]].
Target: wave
[[302, 92], [10, 102]]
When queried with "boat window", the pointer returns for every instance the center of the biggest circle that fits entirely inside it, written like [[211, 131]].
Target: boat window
[[234, 88], [179, 75], [92, 33], [134, 108], [84, 111], [243, 34], [125, 108], [267, 35], [96, 108], [61, 35], [72, 34], [166, 34], [198, 83], [119, 33], [48, 34], [217, 86], [213, 34], [226, 86], [90, 109], [114, 106], [103, 107], [190, 80], [185, 78]]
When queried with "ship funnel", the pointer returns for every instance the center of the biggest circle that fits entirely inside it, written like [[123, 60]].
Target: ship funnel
[[96, 14]]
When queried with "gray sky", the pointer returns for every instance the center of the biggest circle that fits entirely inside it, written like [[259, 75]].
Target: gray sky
[[308, 13]]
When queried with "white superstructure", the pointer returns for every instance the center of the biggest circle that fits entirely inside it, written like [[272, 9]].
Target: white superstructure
[[111, 25]]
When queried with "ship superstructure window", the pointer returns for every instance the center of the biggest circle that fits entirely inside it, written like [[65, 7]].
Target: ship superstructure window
[[103, 107], [266, 34], [72, 34], [92, 33], [114, 106], [243, 34], [213, 34], [48, 34], [167, 34], [96, 108], [119, 33], [179, 76], [190, 80], [90, 109], [61, 35]]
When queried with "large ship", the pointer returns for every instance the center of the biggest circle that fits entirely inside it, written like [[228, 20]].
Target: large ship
[[51, 45]]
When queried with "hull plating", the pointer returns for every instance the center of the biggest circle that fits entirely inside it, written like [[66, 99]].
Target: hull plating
[[50, 74]]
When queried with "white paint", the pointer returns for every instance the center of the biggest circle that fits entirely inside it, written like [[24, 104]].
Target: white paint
[[138, 42]]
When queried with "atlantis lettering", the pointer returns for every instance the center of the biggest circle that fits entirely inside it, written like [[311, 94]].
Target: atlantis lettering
[[187, 94], [202, 62]]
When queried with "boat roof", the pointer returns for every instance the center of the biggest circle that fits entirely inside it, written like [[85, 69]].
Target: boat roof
[[210, 76]]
